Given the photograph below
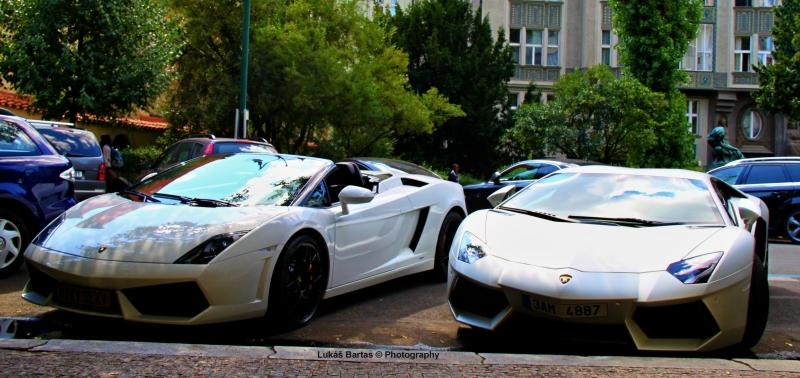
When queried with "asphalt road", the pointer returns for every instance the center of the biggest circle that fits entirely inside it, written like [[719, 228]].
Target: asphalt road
[[405, 313]]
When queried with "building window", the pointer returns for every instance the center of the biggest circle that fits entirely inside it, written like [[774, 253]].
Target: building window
[[533, 48], [692, 115], [765, 47], [754, 3], [513, 100], [513, 41], [752, 125], [709, 3], [700, 54], [605, 48], [741, 54]]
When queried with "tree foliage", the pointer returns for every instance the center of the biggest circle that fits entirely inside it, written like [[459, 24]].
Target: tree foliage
[[88, 57], [320, 72], [594, 116], [451, 48], [780, 81], [654, 36]]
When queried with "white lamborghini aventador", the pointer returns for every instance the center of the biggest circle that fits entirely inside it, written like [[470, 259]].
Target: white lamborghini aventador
[[673, 259], [228, 237]]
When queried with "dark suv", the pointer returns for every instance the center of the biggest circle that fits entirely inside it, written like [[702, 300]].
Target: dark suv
[[777, 182], [197, 145], [83, 150]]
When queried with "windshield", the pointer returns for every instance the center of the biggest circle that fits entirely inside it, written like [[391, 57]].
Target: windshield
[[601, 195], [241, 179], [400, 165]]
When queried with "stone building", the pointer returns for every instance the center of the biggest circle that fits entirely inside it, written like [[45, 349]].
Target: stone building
[[553, 37]]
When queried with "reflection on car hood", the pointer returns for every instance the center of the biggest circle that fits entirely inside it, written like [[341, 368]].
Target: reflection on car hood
[[148, 232], [589, 247]]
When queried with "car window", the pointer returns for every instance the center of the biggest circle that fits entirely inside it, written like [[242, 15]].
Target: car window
[[519, 172], [794, 171], [766, 174], [74, 143], [319, 198], [729, 175], [234, 147], [163, 160], [725, 198], [15, 142], [182, 153], [545, 170], [196, 150]]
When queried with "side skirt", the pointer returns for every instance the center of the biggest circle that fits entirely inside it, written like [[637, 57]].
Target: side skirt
[[383, 277]]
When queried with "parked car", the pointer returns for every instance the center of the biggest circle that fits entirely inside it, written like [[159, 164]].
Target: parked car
[[520, 175], [667, 259], [36, 186], [83, 150], [776, 181], [201, 145], [229, 236], [384, 164]]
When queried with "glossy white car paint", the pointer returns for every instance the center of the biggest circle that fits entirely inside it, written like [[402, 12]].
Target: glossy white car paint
[[112, 243], [624, 267]]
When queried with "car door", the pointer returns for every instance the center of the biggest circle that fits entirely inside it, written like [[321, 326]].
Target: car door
[[771, 183], [370, 237]]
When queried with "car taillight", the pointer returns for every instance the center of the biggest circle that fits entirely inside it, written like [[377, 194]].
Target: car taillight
[[101, 172], [209, 149], [68, 175]]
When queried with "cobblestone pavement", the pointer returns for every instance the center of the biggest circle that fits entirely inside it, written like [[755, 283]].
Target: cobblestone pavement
[[24, 364]]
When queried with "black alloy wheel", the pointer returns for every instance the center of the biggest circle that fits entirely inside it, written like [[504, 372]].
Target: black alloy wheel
[[757, 305], [443, 243], [792, 225], [14, 238], [298, 282]]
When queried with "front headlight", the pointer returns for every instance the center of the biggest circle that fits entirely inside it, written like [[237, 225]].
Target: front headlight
[[208, 250], [471, 248], [695, 270]]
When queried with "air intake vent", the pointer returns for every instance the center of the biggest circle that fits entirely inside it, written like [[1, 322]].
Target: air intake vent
[[411, 182], [183, 299], [423, 217]]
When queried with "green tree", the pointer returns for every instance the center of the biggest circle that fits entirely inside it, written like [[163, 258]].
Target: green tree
[[654, 36], [780, 81], [594, 116], [532, 93], [89, 57], [330, 79], [451, 48]]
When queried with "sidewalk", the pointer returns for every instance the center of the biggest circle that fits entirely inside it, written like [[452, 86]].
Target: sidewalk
[[129, 359]]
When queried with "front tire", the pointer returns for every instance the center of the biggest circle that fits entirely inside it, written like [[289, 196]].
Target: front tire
[[757, 305], [446, 235], [791, 225], [14, 238], [298, 282]]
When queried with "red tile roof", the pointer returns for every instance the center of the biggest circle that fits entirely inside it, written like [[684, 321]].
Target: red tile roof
[[13, 100]]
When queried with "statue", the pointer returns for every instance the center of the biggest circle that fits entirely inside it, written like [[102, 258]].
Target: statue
[[722, 151]]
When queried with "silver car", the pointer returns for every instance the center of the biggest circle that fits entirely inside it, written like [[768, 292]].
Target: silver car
[[83, 150]]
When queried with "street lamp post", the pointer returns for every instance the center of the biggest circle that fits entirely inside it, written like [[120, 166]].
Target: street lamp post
[[241, 123]]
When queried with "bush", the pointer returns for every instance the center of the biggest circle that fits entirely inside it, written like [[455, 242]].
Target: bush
[[133, 159]]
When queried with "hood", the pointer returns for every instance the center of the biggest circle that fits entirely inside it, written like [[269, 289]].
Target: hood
[[589, 247], [147, 232]]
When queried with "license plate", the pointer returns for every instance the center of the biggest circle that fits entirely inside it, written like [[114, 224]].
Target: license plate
[[81, 296], [569, 311]]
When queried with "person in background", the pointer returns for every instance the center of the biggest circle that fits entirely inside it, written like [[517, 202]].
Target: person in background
[[453, 174], [112, 178]]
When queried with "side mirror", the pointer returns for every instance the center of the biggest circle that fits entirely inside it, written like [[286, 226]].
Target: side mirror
[[501, 195], [495, 177], [748, 210], [354, 195]]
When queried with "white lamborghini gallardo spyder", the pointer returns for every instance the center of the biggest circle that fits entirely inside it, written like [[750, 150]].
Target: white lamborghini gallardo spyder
[[228, 237], [671, 259]]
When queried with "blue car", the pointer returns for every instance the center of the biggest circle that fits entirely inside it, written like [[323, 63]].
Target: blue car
[[36, 186]]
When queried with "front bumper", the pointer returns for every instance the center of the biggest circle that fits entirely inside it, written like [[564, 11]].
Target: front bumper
[[657, 311], [232, 289]]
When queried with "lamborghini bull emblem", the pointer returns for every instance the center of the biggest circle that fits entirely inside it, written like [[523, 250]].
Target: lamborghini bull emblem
[[103, 249], [565, 278]]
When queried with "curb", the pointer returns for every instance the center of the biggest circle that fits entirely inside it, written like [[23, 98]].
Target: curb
[[392, 355]]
